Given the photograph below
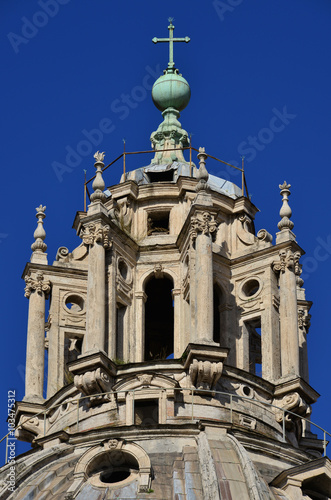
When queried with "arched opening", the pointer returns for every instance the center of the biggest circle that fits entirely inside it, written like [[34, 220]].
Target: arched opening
[[218, 299], [159, 319]]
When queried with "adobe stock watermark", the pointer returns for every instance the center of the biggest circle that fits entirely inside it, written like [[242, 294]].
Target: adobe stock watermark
[[252, 145], [321, 253], [223, 7], [30, 27], [3, 236], [121, 107], [11, 443]]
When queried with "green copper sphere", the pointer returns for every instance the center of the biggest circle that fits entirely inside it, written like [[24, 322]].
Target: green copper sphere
[[171, 90]]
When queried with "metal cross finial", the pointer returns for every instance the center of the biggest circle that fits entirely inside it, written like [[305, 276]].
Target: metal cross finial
[[171, 41]]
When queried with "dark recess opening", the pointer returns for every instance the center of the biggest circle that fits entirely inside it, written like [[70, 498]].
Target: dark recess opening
[[165, 176], [159, 319], [158, 222], [146, 412]]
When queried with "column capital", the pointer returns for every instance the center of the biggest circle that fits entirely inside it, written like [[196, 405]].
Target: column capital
[[288, 259], [96, 232], [203, 222], [37, 284]]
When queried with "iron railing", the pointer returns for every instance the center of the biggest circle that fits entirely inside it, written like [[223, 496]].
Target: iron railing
[[191, 391]]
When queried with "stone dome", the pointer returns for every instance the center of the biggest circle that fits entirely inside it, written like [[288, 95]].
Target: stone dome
[[171, 90]]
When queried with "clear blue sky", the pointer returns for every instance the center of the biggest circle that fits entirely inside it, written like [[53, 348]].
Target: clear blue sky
[[71, 66]]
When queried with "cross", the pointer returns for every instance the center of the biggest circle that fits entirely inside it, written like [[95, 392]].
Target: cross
[[171, 41]]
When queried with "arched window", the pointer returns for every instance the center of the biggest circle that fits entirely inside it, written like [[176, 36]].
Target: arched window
[[159, 319]]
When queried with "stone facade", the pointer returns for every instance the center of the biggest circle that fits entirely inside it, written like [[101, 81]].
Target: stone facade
[[176, 338]]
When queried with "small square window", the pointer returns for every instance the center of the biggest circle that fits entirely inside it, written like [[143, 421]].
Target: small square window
[[146, 412], [158, 223]]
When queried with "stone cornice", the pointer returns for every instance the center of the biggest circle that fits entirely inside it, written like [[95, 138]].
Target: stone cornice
[[296, 385], [53, 271], [272, 251]]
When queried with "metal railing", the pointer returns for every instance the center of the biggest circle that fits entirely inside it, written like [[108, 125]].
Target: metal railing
[[191, 391], [190, 148]]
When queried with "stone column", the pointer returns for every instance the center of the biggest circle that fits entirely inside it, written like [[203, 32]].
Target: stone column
[[95, 234], [203, 226], [178, 347], [97, 237], [289, 336], [141, 298], [36, 291]]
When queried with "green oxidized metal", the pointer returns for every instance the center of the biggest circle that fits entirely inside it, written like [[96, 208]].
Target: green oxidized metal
[[171, 90]]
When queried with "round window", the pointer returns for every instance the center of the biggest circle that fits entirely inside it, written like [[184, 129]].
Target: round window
[[75, 303], [113, 468], [251, 287]]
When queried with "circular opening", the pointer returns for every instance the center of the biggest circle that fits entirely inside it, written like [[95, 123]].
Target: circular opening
[[246, 390], [115, 475], [250, 288], [74, 303], [123, 269]]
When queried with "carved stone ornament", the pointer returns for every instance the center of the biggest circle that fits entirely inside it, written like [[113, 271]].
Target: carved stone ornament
[[294, 403], [263, 235], [304, 319], [204, 223], [95, 382], [99, 157], [158, 271], [288, 260], [145, 378], [38, 284], [205, 374], [96, 233], [113, 444]]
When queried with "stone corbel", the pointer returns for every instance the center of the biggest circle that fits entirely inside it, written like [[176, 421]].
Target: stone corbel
[[203, 222], [94, 374], [205, 374], [38, 284], [292, 402], [204, 365], [30, 427]]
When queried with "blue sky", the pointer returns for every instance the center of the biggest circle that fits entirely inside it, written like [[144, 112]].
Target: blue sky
[[76, 72]]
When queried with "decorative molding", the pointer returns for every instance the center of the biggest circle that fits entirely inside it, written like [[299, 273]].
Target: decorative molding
[[203, 222], [38, 284]]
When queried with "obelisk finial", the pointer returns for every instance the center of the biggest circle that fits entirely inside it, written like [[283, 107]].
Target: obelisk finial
[[285, 212], [39, 247], [98, 183]]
